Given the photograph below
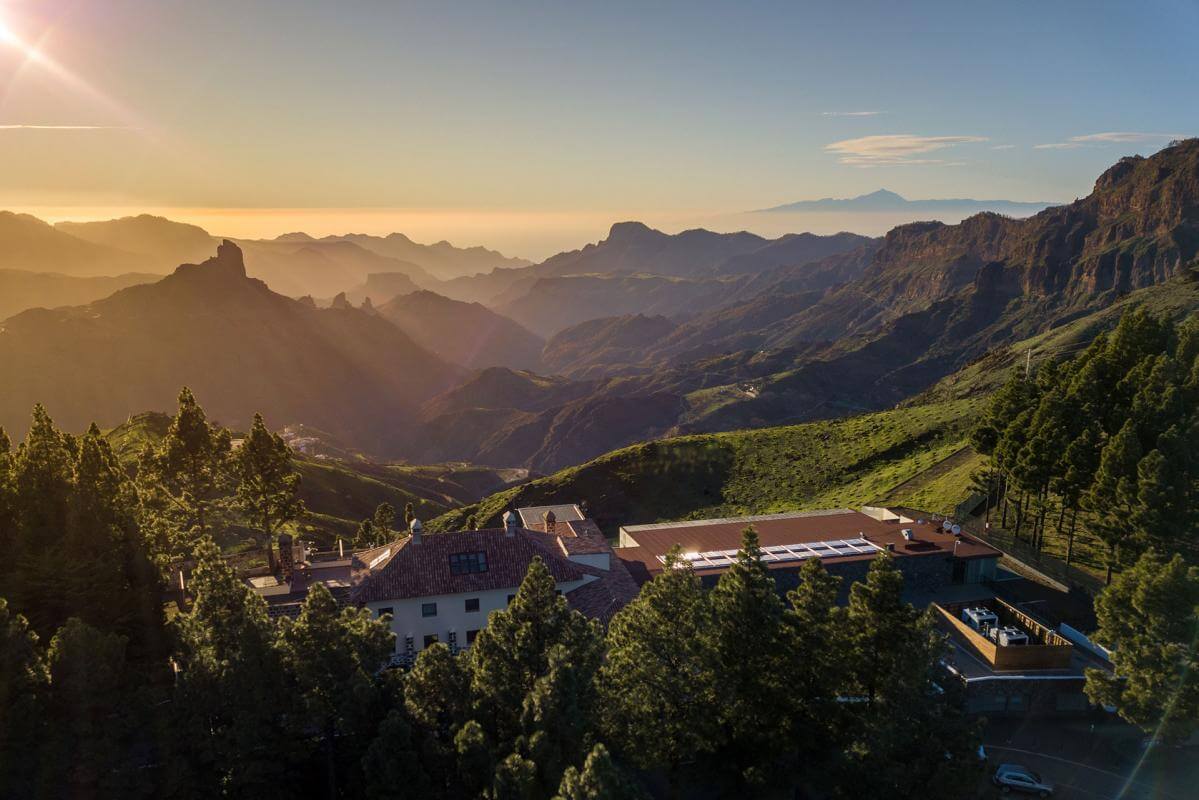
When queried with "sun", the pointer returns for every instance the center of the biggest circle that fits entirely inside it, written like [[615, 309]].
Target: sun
[[6, 34]]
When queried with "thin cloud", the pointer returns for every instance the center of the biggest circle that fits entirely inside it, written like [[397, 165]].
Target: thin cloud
[[851, 113], [66, 128], [1109, 137], [897, 150], [1004, 147]]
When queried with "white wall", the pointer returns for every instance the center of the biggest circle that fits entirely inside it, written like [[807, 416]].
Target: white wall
[[407, 620]]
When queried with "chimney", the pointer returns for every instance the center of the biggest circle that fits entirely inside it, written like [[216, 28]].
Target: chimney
[[511, 523], [287, 557], [907, 534], [415, 529], [551, 521]]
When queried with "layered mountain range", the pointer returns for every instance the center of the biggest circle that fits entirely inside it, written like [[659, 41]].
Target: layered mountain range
[[240, 347], [641, 335]]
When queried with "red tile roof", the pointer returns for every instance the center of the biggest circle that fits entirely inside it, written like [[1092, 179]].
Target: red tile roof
[[794, 528], [422, 569]]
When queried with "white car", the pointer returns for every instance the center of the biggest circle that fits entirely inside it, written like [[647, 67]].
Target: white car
[[1011, 777]]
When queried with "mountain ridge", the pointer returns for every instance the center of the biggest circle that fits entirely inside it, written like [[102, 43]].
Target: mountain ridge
[[882, 200]]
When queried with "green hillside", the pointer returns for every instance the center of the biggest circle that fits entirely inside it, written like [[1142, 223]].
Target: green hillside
[[915, 455], [1175, 298], [851, 461]]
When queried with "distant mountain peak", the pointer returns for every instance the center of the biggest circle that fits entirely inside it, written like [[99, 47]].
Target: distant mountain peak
[[227, 262], [630, 231], [887, 200]]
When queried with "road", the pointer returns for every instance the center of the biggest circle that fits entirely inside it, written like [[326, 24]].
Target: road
[[1086, 763]]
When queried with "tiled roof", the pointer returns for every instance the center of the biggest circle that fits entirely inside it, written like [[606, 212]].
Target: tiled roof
[[601, 599], [792, 528], [422, 569], [581, 537]]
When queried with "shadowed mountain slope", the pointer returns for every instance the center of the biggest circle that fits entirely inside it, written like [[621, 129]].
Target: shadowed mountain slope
[[238, 345], [463, 333]]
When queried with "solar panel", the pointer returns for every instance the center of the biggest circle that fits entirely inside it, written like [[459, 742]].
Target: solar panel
[[780, 553]]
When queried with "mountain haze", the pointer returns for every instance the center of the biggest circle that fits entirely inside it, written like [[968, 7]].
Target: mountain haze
[[463, 333], [241, 348], [883, 200]]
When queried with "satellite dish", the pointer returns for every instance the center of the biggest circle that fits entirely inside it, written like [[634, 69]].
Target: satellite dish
[[947, 524], [957, 530]]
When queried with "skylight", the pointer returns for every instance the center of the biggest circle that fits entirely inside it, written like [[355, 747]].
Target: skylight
[[775, 554]]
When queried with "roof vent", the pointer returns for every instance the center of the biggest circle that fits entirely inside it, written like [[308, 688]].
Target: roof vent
[[511, 523], [907, 534], [415, 529]]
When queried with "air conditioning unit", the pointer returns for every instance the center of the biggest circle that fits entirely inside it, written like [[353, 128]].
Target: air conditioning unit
[[1012, 637], [981, 619]]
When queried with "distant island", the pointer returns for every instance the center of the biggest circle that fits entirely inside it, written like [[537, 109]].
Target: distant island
[[888, 201]]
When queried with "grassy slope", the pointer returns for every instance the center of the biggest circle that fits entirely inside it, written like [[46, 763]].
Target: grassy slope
[[850, 461], [1176, 298]]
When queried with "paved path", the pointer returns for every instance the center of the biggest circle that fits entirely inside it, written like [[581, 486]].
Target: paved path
[[1087, 763]]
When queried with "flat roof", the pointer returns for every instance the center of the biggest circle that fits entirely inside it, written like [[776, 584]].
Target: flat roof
[[535, 515], [794, 528]]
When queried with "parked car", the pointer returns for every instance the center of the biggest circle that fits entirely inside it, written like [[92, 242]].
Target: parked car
[[1013, 777]]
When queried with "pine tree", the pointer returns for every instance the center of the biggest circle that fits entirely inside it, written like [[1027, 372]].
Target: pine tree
[[108, 578], [749, 660], [513, 651], [231, 693], [657, 685], [332, 656], [364, 536], [1113, 494], [186, 480], [1149, 618], [8, 512], [601, 779], [515, 779], [267, 484], [87, 750], [41, 490], [383, 522], [817, 650], [558, 715], [894, 666], [409, 515], [392, 765], [437, 700], [24, 682]]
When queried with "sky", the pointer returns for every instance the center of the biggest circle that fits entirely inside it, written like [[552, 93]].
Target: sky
[[532, 125]]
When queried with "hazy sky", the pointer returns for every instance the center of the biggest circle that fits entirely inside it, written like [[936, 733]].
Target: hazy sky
[[575, 111]]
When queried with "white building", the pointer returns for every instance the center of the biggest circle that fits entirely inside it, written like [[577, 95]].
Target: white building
[[441, 587]]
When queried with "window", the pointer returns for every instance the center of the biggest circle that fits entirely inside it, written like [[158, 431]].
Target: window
[[472, 604], [468, 563], [431, 639], [428, 609], [470, 636], [383, 611]]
